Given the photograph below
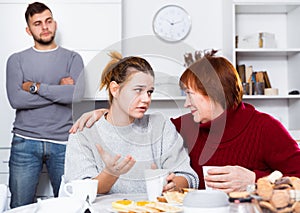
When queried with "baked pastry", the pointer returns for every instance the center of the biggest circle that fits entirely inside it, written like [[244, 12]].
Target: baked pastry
[[122, 205], [279, 194], [174, 197], [264, 188]]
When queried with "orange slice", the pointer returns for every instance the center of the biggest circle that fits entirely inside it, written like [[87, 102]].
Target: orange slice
[[121, 205], [142, 202]]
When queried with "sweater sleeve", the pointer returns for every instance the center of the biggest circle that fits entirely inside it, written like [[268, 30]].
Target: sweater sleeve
[[175, 156], [280, 151], [18, 98], [64, 93], [80, 162]]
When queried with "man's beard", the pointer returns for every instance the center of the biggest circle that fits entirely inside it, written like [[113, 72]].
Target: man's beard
[[44, 42]]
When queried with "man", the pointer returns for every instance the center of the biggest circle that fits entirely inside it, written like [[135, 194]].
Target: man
[[40, 85]]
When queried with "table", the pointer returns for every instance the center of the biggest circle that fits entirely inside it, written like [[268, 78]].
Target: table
[[102, 204]]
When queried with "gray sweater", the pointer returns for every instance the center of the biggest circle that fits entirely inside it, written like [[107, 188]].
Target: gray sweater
[[152, 138], [48, 114]]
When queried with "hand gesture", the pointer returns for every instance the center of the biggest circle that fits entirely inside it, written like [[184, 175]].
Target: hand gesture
[[229, 178], [87, 120], [112, 164]]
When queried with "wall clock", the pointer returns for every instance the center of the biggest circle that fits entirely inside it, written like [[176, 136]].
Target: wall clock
[[171, 23]]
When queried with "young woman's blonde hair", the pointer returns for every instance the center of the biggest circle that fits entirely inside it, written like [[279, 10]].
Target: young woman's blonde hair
[[119, 69]]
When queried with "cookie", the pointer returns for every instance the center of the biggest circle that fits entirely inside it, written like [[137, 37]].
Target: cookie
[[283, 180], [239, 194], [283, 186], [296, 207], [295, 183], [264, 188], [267, 205], [280, 199], [285, 210]]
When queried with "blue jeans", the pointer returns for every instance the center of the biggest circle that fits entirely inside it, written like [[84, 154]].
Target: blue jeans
[[25, 165]]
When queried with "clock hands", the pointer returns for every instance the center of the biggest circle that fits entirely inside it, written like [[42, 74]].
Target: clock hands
[[177, 22], [173, 22]]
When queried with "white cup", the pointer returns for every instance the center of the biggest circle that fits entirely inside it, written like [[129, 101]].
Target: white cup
[[82, 188], [208, 201], [60, 204], [155, 181], [205, 169]]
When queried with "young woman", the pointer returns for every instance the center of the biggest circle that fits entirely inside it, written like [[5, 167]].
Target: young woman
[[125, 141], [223, 131]]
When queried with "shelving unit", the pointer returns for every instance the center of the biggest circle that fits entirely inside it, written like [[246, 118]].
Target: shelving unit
[[282, 62], [157, 98]]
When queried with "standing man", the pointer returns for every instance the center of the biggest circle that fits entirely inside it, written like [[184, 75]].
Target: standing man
[[40, 85]]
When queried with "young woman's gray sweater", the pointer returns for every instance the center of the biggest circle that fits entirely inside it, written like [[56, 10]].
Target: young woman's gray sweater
[[151, 139]]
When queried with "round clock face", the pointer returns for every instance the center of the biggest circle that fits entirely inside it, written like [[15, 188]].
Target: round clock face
[[171, 23]]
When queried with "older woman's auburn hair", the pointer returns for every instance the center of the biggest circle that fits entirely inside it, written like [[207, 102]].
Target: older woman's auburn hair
[[216, 77]]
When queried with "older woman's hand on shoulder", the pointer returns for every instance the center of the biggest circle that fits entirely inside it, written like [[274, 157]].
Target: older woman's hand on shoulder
[[229, 178], [87, 120]]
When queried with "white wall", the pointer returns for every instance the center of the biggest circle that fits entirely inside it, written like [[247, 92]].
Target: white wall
[[207, 21], [207, 32]]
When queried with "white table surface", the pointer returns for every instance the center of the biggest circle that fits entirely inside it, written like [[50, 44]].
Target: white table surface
[[102, 204]]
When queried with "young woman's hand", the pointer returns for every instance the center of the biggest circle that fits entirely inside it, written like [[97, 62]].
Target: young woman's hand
[[171, 185], [229, 178], [112, 164], [87, 120]]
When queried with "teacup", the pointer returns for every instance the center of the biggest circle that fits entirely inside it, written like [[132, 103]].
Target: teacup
[[205, 169], [81, 189], [206, 201], [60, 204], [155, 179]]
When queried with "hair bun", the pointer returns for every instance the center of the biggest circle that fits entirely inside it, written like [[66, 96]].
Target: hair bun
[[115, 55]]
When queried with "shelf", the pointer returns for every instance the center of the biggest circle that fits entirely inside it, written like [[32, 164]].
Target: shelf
[[175, 98], [280, 18], [267, 52], [182, 98], [264, 97], [265, 7]]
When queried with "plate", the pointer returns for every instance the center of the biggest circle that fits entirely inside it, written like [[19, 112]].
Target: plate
[[105, 201], [115, 211]]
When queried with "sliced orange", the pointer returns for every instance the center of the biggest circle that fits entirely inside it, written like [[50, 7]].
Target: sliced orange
[[142, 202], [124, 202], [121, 205]]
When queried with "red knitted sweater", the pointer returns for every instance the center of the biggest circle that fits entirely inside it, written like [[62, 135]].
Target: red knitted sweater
[[243, 137]]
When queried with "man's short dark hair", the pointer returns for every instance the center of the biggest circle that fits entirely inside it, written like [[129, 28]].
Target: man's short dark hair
[[34, 8]]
